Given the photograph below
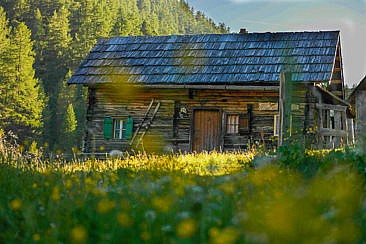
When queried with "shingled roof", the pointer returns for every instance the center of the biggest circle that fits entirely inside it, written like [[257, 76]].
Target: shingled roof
[[212, 58]]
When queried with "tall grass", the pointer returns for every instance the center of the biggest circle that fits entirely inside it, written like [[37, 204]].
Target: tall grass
[[195, 198]]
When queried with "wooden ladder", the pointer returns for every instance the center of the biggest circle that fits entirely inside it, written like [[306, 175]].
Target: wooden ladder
[[145, 123]]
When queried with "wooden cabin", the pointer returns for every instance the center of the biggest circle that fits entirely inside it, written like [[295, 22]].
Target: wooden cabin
[[214, 91], [357, 99]]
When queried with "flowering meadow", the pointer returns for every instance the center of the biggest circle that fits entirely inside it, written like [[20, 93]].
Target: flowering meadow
[[290, 197]]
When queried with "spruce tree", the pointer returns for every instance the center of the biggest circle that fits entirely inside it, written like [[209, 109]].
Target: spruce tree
[[103, 16], [56, 56], [69, 128], [150, 26], [128, 21], [4, 46], [4, 39], [23, 100]]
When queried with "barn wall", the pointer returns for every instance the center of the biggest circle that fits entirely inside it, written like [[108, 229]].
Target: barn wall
[[360, 115], [172, 125]]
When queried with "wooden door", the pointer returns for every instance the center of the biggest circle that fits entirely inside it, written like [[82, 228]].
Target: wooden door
[[206, 130]]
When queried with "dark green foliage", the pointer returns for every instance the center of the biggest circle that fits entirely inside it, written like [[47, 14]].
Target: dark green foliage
[[64, 31], [310, 162], [69, 129], [56, 55], [21, 100]]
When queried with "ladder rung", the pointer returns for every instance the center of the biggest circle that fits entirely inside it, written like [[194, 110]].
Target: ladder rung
[[147, 124], [142, 122]]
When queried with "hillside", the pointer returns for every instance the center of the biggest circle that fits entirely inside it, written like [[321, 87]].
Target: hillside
[[61, 34]]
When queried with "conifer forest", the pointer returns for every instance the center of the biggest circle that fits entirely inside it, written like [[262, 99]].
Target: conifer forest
[[43, 41]]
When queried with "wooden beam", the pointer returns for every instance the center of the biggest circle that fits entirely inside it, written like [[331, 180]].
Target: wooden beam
[[336, 82], [331, 132], [331, 107], [214, 87]]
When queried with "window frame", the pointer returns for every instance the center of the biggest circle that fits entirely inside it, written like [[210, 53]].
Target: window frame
[[234, 125], [276, 125], [121, 130]]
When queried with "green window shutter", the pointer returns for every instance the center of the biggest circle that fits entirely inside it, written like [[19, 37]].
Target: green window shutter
[[129, 128], [107, 129]]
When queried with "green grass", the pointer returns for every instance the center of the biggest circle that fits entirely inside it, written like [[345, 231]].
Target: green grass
[[195, 198]]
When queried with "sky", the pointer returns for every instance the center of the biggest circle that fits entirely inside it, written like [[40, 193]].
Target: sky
[[348, 16]]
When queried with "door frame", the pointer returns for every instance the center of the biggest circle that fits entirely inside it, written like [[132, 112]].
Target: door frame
[[220, 121]]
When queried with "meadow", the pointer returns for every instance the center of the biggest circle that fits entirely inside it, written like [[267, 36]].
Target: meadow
[[292, 196]]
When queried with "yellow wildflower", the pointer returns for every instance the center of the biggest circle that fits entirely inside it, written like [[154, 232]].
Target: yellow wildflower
[[68, 183], [225, 236], [88, 181], [16, 204], [78, 234], [162, 204], [124, 220], [186, 228], [36, 237], [145, 236], [56, 194], [105, 205]]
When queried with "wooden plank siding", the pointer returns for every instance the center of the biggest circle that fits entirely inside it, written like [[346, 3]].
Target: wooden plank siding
[[337, 80], [176, 127]]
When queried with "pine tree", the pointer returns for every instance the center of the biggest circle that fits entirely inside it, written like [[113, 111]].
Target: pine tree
[[128, 22], [150, 26], [4, 38], [22, 99], [103, 17], [56, 56], [37, 26], [4, 46], [38, 35], [59, 37], [70, 120], [86, 31], [69, 128]]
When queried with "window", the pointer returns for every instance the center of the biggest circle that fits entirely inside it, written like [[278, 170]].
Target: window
[[276, 125], [238, 124], [232, 124], [119, 129]]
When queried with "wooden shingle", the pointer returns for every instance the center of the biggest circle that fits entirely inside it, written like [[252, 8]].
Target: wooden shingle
[[212, 58]]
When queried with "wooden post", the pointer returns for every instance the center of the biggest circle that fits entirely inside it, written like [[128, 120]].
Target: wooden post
[[345, 126], [285, 101], [328, 125], [320, 127], [337, 126], [351, 132]]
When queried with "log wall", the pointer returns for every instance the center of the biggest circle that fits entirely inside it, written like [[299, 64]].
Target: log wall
[[171, 129]]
